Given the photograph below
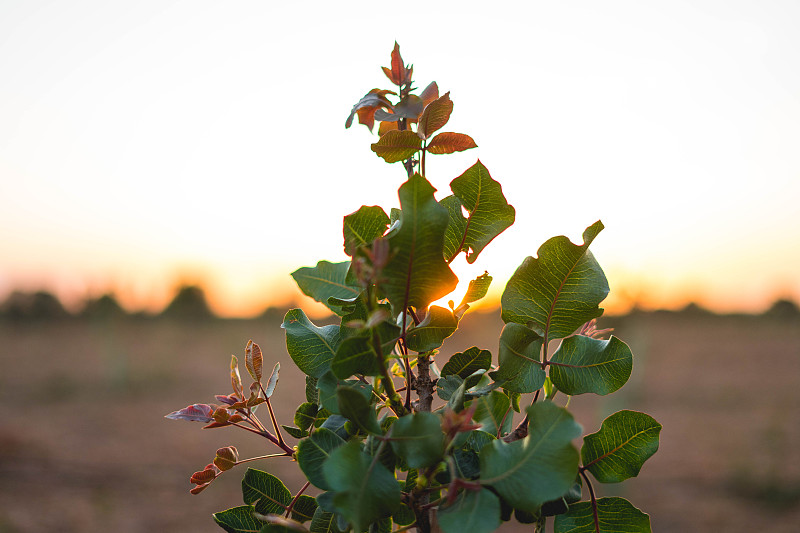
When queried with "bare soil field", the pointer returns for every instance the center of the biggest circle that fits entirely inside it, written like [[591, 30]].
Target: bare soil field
[[85, 447]]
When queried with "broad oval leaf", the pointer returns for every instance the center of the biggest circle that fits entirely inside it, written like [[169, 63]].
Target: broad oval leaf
[[328, 384], [357, 409], [266, 491], [519, 357], [304, 508], [253, 360], [477, 289], [417, 273], [494, 413], [489, 212], [363, 226], [466, 363], [538, 468], [310, 347], [558, 291], [583, 364], [430, 334], [305, 415], [448, 143], [615, 515], [397, 145], [238, 520], [326, 280], [625, 441], [357, 355], [364, 490], [313, 451], [430, 93], [472, 512], [272, 382], [418, 439], [323, 522], [436, 115]]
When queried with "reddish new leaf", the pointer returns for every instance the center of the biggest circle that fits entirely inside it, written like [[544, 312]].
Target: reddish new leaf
[[447, 143], [430, 93], [206, 475], [230, 399], [221, 415], [386, 127], [253, 360], [436, 115], [226, 458], [366, 107], [198, 412], [199, 488], [397, 145], [236, 378], [398, 74]]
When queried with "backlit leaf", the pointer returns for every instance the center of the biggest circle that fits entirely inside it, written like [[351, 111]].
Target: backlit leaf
[[409, 107], [313, 451], [583, 364], [397, 145], [465, 363], [398, 73], [304, 508], [366, 107], [519, 357], [615, 515], [238, 520], [489, 213], [417, 273], [472, 512], [364, 491], [197, 412], [625, 441], [430, 93], [273, 380], [436, 115], [253, 360], [326, 280], [310, 347], [236, 378], [558, 291], [448, 143], [538, 468], [363, 227], [430, 334], [226, 458], [456, 227], [477, 289], [266, 491], [418, 439]]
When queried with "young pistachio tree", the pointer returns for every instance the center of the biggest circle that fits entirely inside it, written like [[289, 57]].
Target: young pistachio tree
[[396, 434]]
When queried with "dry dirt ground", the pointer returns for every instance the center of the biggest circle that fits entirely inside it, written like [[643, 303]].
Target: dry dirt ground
[[85, 447]]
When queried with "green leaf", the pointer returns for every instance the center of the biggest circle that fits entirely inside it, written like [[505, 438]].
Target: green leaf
[[364, 491], [397, 145], [430, 334], [323, 522], [363, 227], [520, 359], [417, 273], [312, 394], [306, 415], [355, 407], [304, 508], [268, 493], [625, 441], [312, 453], [456, 227], [418, 439], [324, 281], [295, 432], [490, 214], [560, 290], [238, 520], [477, 289], [472, 512], [493, 413], [615, 515], [448, 385], [310, 347], [583, 364], [357, 355], [466, 363], [538, 468], [328, 384]]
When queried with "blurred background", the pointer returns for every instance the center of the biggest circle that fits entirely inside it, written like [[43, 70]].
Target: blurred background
[[165, 165]]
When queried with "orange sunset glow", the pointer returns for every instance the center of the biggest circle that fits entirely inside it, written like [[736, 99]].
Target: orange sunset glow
[[149, 145]]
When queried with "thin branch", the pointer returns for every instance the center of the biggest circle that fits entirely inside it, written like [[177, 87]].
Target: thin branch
[[594, 500], [296, 497]]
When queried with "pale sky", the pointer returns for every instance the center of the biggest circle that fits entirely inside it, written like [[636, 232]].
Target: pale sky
[[144, 143]]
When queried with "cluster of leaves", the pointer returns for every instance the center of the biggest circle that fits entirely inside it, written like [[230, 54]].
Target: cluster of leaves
[[441, 451]]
